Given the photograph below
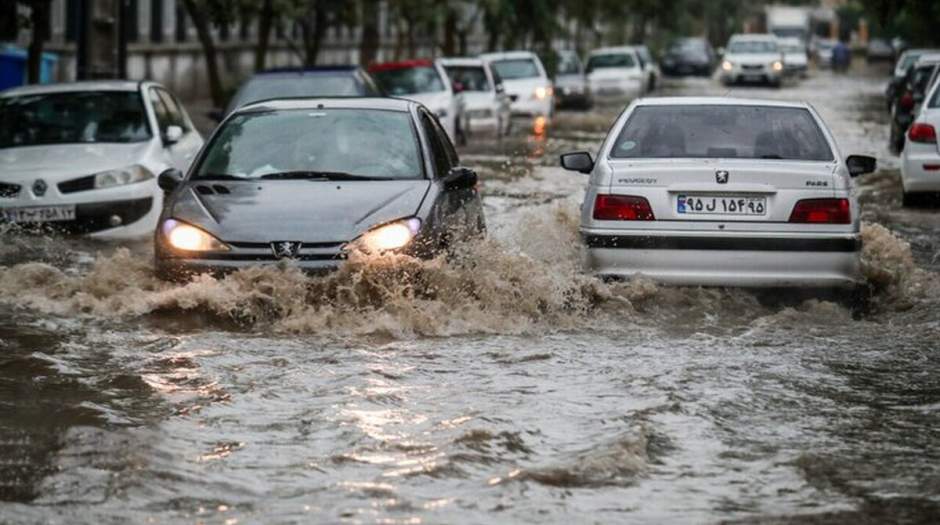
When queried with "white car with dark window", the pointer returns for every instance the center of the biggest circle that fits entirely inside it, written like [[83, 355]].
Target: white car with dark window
[[526, 82], [616, 74], [718, 191], [485, 102], [795, 57], [752, 58], [83, 157], [920, 159]]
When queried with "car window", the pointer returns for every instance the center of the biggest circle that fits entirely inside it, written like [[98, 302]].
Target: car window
[[568, 64], [510, 69], [610, 60], [934, 101], [363, 142], [73, 117], [398, 81], [752, 46], [722, 131], [921, 80], [472, 78], [439, 154], [160, 110], [174, 111]]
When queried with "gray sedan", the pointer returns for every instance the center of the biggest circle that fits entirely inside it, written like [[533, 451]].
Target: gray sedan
[[311, 180]]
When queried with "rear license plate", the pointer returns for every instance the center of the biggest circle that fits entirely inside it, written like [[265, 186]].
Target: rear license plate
[[721, 205], [38, 214]]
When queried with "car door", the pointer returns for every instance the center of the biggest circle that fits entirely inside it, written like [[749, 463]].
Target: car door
[[455, 210], [181, 151]]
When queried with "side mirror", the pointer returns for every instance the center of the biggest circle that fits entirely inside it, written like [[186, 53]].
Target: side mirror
[[500, 88], [216, 114], [460, 178], [172, 135], [579, 161], [860, 164], [170, 179]]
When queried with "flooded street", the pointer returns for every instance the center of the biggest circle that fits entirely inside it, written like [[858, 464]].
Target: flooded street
[[499, 386]]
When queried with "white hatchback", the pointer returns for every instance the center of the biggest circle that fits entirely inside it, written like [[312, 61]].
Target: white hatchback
[[84, 157], [920, 159], [722, 192]]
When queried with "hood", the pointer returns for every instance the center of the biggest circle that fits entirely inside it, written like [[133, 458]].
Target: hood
[[794, 58], [435, 101], [753, 58], [58, 162], [301, 210]]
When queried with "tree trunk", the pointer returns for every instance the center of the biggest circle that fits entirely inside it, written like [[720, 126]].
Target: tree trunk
[[450, 33], [265, 24], [314, 29], [201, 23], [39, 18], [369, 45]]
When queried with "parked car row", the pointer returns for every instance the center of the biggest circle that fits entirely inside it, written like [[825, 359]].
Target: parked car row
[[914, 101], [609, 75]]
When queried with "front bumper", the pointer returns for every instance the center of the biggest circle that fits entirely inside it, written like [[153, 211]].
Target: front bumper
[[763, 74], [679, 259], [532, 107], [96, 217], [312, 257]]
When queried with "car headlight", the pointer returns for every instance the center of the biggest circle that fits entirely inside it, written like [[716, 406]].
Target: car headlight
[[391, 236], [121, 177], [777, 66], [727, 66], [542, 92], [189, 238]]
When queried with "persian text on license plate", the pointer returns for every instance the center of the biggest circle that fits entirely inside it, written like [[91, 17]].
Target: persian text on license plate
[[702, 205], [38, 214]]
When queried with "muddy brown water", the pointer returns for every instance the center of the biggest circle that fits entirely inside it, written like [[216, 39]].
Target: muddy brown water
[[499, 386]]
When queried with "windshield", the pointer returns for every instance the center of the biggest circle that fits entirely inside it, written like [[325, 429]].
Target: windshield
[[793, 49], [752, 46], [516, 68], [410, 80], [362, 142], [80, 117], [610, 60], [472, 78], [750, 132], [568, 64], [264, 87]]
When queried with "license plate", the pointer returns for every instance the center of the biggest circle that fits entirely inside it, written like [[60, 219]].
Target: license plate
[[721, 205], [753, 78], [38, 214]]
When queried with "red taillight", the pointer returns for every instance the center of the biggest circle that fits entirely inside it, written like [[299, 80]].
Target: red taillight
[[907, 101], [921, 132], [622, 208], [822, 211]]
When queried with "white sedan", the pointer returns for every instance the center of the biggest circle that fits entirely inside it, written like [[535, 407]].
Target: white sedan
[[920, 159], [719, 191], [485, 102], [83, 157], [526, 82]]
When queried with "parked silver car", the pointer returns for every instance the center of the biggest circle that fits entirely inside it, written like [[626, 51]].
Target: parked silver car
[[722, 192]]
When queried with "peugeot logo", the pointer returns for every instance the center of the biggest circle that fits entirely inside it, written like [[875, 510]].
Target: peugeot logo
[[721, 177], [286, 249], [40, 187]]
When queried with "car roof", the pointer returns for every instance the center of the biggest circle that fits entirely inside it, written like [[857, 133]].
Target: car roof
[[718, 101], [613, 50], [378, 103], [313, 70], [401, 64], [461, 61], [503, 55], [65, 87], [928, 59]]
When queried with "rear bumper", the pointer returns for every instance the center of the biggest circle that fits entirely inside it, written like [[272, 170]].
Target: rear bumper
[[827, 262], [920, 172]]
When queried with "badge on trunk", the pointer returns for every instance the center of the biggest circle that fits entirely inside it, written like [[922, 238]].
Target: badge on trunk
[[286, 249], [721, 177]]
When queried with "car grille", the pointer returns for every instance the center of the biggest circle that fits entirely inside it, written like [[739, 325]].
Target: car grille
[[9, 191], [480, 113], [752, 67], [79, 184]]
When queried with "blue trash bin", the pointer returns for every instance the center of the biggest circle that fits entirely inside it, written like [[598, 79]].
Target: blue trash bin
[[13, 67]]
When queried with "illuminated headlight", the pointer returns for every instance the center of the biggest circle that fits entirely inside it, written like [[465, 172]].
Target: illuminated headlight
[[121, 177], [542, 92], [727, 66], [777, 66], [392, 236], [189, 238]]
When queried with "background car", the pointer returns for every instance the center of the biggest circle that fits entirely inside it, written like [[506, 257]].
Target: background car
[[879, 49], [716, 191], [920, 160], [314, 180], [424, 81], [485, 102], [905, 62], [83, 157], [323, 81], [526, 81], [616, 74], [571, 88], [752, 58], [823, 52], [795, 58], [919, 79], [689, 56]]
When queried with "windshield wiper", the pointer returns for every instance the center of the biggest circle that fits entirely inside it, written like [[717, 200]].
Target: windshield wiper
[[317, 175], [218, 176]]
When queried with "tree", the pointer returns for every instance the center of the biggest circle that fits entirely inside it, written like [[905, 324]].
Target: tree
[[38, 23]]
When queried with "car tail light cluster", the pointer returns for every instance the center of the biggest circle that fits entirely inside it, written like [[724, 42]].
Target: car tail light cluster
[[924, 133], [622, 208], [907, 101], [822, 211]]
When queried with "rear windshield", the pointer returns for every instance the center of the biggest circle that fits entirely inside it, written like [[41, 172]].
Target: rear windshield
[[516, 68], [409, 80], [471, 78], [749, 132], [362, 142], [922, 77], [610, 60], [263, 87], [753, 46]]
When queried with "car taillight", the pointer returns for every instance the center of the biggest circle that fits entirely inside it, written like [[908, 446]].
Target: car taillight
[[921, 132], [622, 208], [907, 101], [822, 211]]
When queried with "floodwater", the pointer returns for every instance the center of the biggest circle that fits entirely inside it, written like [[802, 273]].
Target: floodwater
[[499, 386]]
